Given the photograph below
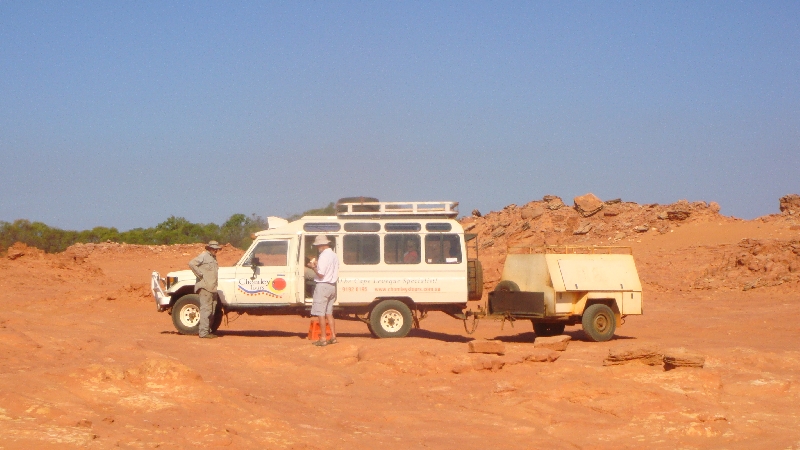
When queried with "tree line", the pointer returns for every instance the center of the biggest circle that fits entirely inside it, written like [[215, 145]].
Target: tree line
[[175, 230]]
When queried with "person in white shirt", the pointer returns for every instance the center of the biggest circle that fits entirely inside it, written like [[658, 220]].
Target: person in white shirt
[[326, 268]]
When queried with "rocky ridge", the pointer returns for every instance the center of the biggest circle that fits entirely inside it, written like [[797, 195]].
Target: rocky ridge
[[591, 221]]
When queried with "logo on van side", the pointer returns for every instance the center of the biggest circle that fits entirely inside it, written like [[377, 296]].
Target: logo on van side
[[272, 288]]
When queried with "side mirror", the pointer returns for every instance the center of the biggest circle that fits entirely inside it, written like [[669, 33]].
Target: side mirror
[[254, 266]]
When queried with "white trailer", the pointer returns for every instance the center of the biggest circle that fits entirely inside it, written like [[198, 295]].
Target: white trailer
[[566, 285]]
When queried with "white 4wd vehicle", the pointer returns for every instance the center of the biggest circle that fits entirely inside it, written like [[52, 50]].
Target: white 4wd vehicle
[[397, 261]]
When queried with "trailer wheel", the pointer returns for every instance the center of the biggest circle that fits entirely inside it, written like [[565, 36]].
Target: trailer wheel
[[506, 286], [548, 329], [372, 332], [186, 315], [390, 319], [598, 322]]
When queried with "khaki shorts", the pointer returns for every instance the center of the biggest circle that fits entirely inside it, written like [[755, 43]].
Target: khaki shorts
[[324, 298]]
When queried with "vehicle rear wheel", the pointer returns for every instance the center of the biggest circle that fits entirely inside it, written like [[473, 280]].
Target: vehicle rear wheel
[[599, 322], [548, 329], [186, 315], [390, 319]]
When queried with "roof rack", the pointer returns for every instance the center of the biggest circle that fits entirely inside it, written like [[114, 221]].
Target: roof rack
[[398, 209]]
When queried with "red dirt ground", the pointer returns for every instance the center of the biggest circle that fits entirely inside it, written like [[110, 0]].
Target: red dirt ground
[[87, 362]]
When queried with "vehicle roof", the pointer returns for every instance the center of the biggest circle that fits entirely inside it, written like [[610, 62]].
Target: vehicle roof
[[297, 225]]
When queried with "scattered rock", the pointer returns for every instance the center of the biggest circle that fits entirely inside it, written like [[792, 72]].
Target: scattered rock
[[499, 232], [678, 215], [588, 204], [77, 252], [484, 346], [532, 213], [662, 215], [476, 213], [614, 201], [790, 203], [510, 360], [680, 357], [18, 250], [583, 228], [641, 228], [753, 284], [487, 243], [525, 226], [625, 355], [486, 363], [553, 202], [610, 213], [714, 207], [557, 343], [619, 236], [542, 355]]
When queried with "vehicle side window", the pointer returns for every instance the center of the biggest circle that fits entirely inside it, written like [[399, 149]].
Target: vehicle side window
[[401, 249], [361, 249], [402, 227], [362, 226], [270, 253], [442, 249]]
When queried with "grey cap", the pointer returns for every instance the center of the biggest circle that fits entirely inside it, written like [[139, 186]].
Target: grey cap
[[213, 244], [321, 240]]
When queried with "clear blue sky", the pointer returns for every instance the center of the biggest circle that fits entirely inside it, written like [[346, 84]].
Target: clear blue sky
[[124, 113]]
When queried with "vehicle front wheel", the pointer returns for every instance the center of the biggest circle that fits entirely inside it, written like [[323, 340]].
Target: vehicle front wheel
[[599, 322], [186, 315], [548, 329], [390, 319]]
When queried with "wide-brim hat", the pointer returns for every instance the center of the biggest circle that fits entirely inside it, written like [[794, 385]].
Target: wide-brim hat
[[213, 244], [321, 240]]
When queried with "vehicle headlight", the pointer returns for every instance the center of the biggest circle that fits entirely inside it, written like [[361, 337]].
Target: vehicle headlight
[[171, 281]]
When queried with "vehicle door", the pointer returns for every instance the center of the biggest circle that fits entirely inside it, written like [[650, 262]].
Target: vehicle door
[[307, 253], [265, 275]]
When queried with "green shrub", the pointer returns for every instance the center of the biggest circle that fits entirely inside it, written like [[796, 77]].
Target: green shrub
[[175, 230]]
